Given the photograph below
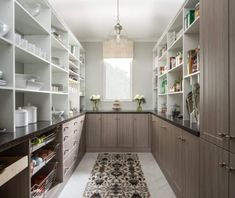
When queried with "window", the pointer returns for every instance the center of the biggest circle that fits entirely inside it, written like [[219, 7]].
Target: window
[[118, 79]]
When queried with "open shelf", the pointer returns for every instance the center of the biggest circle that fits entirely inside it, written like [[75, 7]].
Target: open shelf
[[57, 45], [56, 68], [25, 56], [178, 44], [193, 74], [23, 19], [194, 27], [176, 68], [5, 41]]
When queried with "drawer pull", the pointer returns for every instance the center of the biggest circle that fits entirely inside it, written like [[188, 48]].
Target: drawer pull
[[180, 137], [183, 139], [230, 169], [65, 137], [164, 127], [75, 131], [222, 135], [66, 151], [222, 164], [75, 123], [66, 128]]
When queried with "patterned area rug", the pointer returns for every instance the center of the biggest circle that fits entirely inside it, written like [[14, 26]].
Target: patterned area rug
[[117, 175]]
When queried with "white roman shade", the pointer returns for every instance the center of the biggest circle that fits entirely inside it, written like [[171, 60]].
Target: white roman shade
[[114, 49]]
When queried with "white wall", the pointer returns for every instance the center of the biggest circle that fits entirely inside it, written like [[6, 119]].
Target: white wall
[[142, 74]]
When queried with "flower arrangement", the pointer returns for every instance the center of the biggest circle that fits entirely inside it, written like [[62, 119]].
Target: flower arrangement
[[139, 99], [95, 99]]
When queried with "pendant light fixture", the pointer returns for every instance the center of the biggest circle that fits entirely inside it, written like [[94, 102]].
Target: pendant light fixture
[[118, 46]]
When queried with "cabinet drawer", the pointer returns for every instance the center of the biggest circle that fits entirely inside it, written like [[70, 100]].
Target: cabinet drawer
[[67, 147], [66, 130], [69, 162]]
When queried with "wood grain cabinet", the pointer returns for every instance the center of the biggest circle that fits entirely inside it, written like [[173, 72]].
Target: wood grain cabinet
[[141, 131], [177, 153], [213, 172], [109, 130], [93, 130], [214, 122], [125, 130], [232, 74]]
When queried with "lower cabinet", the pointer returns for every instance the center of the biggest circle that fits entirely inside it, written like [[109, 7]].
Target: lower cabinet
[[214, 174], [141, 131], [109, 130], [125, 130], [93, 131], [118, 132], [177, 153]]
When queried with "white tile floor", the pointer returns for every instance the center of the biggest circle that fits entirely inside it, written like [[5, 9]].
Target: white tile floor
[[157, 184]]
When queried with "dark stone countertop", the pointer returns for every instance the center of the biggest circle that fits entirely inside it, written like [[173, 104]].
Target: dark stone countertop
[[9, 139], [183, 124]]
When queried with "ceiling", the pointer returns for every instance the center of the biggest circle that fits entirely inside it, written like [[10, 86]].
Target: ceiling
[[93, 20]]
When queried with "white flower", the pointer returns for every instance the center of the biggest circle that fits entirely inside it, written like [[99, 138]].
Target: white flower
[[136, 97]]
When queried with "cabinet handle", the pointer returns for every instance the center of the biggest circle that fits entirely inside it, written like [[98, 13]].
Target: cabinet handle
[[230, 169], [222, 135], [222, 164], [66, 151], [179, 137], [164, 127], [183, 139], [65, 137], [229, 137], [75, 131], [65, 128], [75, 123]]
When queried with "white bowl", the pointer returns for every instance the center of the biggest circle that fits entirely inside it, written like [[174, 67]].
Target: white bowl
[[4, 29], [34, 85]]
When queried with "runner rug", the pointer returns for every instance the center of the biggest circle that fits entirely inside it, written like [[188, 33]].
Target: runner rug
[[117, 175]]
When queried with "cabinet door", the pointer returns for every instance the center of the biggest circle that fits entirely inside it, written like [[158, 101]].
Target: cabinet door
[[156, 122], [190, 160], [214, 71], [125, 130], [177, 174], [232, 176], [93, 130], [141, 130], [213, 173], [109, 130], [232, 73]]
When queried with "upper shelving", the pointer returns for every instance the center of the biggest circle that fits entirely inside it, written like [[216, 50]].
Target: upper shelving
[[24, 20], [194, 27]]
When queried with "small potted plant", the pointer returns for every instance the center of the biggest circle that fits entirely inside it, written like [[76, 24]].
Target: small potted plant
[[95, 99], [139, 99]]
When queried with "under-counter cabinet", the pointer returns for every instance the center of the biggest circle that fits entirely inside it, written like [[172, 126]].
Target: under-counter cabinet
[[125, 130], [141, 131], [214, 101], [177, 153], [109, 130], [93, 131], [232, 73], [118, 132]]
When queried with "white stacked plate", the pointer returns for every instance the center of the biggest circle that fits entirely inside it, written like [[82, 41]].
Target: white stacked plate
[[3, 83]]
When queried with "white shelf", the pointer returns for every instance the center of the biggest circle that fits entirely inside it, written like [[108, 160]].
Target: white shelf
[[6, 88], [175, 93], [24, 20], [162, 75], [165, 94], [59, 93], [4, 41], [193, 74], [73, 73], [57, 68], [57, 45], [178, 44], [194, 27], [25, 56], [73, 81], [176, 68], [73, 58], [31, 90], [163, 57]]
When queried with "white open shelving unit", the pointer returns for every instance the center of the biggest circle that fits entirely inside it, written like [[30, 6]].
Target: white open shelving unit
[[63, 63], [187, 39]]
